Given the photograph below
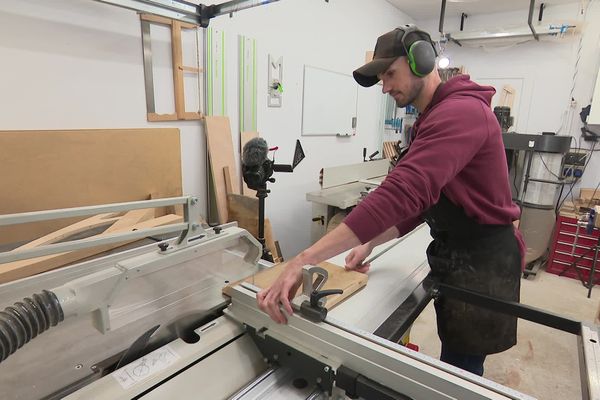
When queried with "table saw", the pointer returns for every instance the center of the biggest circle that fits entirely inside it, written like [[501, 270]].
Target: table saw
[[152, 323]]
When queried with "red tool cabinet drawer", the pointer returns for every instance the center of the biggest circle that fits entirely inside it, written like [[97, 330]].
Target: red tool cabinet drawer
[[570, 244]]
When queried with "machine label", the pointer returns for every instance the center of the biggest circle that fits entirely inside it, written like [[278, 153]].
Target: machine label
[[145, 367]]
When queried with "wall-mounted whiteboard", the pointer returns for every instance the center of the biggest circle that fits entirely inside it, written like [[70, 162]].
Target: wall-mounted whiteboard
[[329, 102]]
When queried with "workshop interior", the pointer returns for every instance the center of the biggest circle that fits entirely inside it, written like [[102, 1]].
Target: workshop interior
[[161, 160]]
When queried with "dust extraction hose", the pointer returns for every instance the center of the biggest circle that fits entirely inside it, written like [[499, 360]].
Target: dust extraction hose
[[26, 319]]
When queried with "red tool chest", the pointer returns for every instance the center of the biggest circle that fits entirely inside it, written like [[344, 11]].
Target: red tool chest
[[570, 242]]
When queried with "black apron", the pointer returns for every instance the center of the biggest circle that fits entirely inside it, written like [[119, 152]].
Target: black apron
[[481, 258]]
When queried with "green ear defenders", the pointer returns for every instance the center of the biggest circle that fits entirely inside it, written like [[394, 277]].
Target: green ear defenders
[[419, 49]]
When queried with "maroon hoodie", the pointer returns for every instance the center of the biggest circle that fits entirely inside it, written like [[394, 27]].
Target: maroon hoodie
[[456, 149]]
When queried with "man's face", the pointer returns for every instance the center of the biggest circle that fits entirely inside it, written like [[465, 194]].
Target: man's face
[[400, 82]]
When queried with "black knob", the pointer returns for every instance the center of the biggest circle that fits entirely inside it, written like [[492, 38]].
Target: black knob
[[217, 229], [315, 296], [320, 219], [163, 246]]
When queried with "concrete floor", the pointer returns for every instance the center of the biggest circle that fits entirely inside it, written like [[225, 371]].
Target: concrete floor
[[544, 363]]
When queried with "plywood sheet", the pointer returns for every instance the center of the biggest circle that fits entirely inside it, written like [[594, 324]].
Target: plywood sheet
[[44, 170], [220, 150], [349, 281]]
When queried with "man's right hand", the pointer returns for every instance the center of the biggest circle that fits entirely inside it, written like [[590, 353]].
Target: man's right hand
[[278, 296], [354, 259]]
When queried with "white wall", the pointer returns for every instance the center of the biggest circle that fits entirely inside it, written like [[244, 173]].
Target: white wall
[[546, 69], [73, 64], [333, 36]]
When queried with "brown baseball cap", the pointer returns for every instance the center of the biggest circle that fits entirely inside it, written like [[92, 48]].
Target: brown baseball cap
[[387, 49]]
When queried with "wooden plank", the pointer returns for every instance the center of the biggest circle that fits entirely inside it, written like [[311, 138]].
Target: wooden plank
[[187, 25], [245, 138], [507, 96], [45, 170], [131, 218], [227, 177], [220, 149], [165, 21], [191, 116], [587, 194], [24, 268], [244, 210], [78, 227], [349, 281], [177, 56], [154, 117], [156, 19], [191, 69]]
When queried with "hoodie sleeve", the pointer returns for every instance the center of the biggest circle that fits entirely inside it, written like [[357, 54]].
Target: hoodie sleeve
[[447, 139], [408, 225]]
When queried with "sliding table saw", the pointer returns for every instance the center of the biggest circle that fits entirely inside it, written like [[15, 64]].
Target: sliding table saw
[[152, 323]]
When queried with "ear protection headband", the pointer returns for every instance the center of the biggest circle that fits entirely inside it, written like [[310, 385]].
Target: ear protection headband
[[419, 49]]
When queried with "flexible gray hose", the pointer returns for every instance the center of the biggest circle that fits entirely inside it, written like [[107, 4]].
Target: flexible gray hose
[[26, 319]]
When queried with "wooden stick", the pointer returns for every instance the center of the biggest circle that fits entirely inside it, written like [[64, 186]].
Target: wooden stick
[[81, 226], [24, 268], [154, 117]]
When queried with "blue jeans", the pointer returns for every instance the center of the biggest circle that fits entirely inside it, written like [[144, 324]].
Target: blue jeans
[[471, 363]]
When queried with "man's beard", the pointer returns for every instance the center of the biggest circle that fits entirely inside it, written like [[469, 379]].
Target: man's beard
[[415, 90]]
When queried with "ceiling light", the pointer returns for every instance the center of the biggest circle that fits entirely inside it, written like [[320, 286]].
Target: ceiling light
[[443, 62]]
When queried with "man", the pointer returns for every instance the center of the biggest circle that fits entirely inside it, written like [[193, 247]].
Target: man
[[454, 177]]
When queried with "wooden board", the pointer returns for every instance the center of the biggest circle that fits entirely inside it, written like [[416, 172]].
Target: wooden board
[[389, 150], [349, 281], [589, 194], [44, 170], [245, 138], [220, 150], [24, 268], [244, 210]]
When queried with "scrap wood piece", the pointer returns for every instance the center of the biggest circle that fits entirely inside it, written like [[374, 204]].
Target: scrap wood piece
[[24, 268], [390, 150], [220, 150], [89, 223], [507, 97], [227, 178], [349, 281], [160, 211], [244, 210]]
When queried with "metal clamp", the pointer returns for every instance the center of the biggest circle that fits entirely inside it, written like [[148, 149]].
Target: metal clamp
[[312, 300]]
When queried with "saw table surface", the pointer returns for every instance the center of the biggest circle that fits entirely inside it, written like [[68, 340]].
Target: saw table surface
[[392, 278]]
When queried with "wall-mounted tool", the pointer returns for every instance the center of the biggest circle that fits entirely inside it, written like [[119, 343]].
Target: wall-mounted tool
[[371, 157], [275, 79]]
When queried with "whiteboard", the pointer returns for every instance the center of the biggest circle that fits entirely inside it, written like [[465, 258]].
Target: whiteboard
[[329, 102]]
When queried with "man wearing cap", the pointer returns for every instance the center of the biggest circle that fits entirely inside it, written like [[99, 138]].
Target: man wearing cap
[[454, 178]]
